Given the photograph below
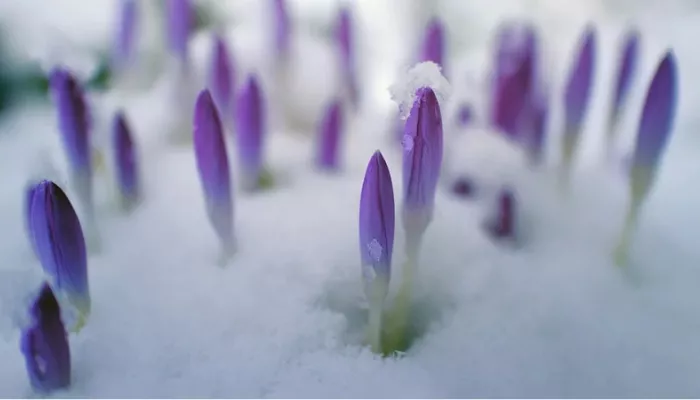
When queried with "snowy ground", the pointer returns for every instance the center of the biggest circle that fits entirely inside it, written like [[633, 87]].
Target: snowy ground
[[554, 318]]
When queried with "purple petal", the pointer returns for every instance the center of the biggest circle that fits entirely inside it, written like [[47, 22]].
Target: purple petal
[[126, 33], [44, 344], [73, 118], [434, 43], [465, 115], [515, 75], [578, 88], [125, 158], [658, 114], [60, 243], [180, 20], [282, 28], [221, 76], [346, 48], [213, 166], [534, 121], [422, 157], [502, 224], [377, 217], [625, 75], [329, 134], [250, 128]]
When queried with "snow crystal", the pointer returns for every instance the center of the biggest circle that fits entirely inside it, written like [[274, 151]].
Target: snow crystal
[[425, 74]]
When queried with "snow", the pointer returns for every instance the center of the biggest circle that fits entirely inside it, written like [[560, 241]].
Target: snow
[[551, 318], [424, 74]]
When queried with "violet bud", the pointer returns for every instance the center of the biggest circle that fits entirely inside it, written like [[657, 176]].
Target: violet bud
[[282, 29], [125, 157], [60, 244], [434, 43], [29, 191], [656, 124], [213, 167], [422, 161], [534, 121], [329, 136], [625, 76], [515, 75], [463, 187], [221, 77], [74, 126], [577, 94], [250, 132], [125, 38], [376, 221], [502, 224], [346, 48], [180, 21], [44, 344], [464, 115]]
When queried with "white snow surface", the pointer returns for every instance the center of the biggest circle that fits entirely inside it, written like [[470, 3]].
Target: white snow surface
[[552, 317]]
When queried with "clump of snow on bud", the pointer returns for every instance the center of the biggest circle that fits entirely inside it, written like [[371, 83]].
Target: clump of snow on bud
[[425, 74]]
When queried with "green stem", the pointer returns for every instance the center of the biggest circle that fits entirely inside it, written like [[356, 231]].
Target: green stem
[[396, 339], [375, 326], [621, 253]]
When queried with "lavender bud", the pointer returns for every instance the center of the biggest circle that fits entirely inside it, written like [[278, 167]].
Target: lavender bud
[[463, 187], [124, 46], [180, 21], [329, 135], [282, 29], [577, 94], [221, 77], [515, 75], [434, 43], [503, 223], [422, 160], [625, 76], [213, 167], [465, 115], [250, 132], [347, 53], [60, 244], [376, 222], [125, 161], [44, 344], [656, 124]]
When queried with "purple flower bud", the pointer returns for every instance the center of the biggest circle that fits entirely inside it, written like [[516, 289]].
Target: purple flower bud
[[503, 222], [329, 134], [463, 187], [74, 125], [29, 192], [221, 77], [577, 93], [126, 33], [376, 220], [625, 75], [44, 344], [213, 167], [657, 119], [125, 160], [422, 159], [434, 43], [464, 115], [180, 20], [347, 52], [282, 28], [60, 244], [515, 75], [250, 132], [534, 121]]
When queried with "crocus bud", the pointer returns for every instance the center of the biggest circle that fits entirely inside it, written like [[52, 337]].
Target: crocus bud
[[221, 78], [329, 134], [464, 115], [213, 167], [124, 46], [434, 43], [250, 132], [29, 191], [502, 223], [60, 245], [44, 344], [655, 127], [515, 75], [577, 95], [282, 29], [180, 21], [125, 161], [625, 76], [376, 240], [534, 127], [422, 161], [74, 126], [347, 53], [463, 187]]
